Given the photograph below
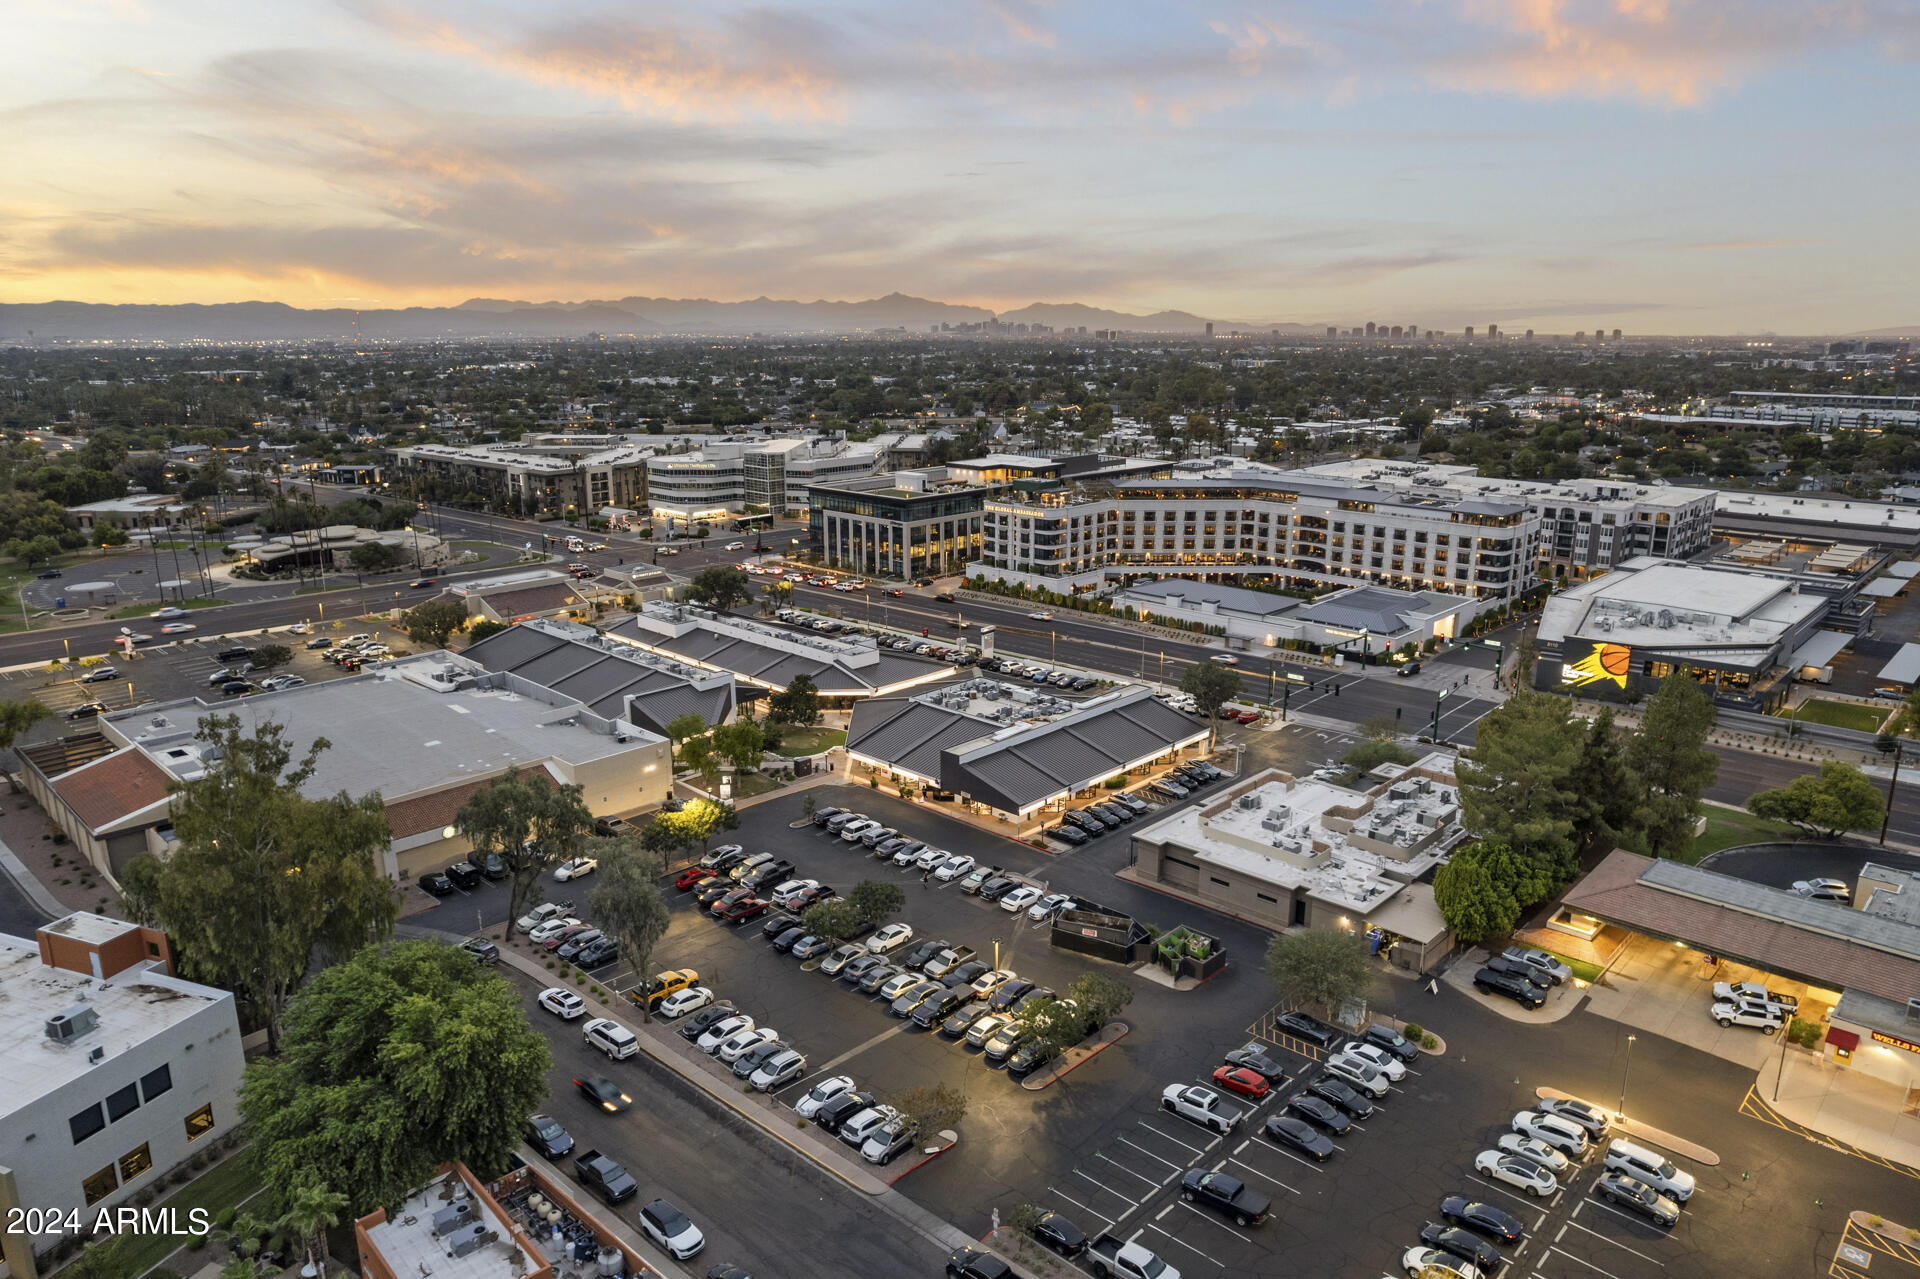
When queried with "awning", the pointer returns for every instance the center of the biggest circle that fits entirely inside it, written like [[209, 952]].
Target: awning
[[1820, 649], [1844, 1040], [1905, 666]]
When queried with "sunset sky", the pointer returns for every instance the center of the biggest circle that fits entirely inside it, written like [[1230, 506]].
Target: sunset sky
[[1664, 166]]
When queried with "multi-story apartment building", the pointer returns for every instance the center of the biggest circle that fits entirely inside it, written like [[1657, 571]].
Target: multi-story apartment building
[[1302, 530], [1587, 526], [113, 1071], [772, 475], [903, 525], [536, 479]]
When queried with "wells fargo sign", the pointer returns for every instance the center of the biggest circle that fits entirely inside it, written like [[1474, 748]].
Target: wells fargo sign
[[1881, 1037]]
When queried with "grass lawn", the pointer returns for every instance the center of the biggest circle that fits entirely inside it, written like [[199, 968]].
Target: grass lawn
[[1863, 719], [1585, 970], [222, 1186], [747, 785], [1729, 827], [145, 610], [809, 741]]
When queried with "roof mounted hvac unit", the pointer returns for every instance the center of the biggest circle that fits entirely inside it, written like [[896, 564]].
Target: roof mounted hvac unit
[[70, 1024]]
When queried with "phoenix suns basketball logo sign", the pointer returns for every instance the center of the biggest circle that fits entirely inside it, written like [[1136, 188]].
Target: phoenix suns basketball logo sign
[[1603, 664]]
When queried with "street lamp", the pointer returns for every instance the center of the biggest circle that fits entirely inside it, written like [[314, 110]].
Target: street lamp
[[1444, 693], [1623, 1079]]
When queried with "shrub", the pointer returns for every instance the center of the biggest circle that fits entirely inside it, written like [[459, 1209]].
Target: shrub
[[800, 1123], [1115, 783], [197, 1242], [1874, 1221], [224, 1218], [1412, 1032], [1429, 1041]]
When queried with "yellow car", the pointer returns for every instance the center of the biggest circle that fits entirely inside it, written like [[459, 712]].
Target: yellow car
[[650, 992]]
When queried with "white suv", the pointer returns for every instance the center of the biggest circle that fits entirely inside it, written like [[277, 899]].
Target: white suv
[[610, 1037], [1766, 1018], [1562, 1134]]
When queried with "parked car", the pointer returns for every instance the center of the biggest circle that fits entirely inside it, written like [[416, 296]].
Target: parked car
[[545, 1135], [1348, 1099], [562, 1003], [1589, 1117], [1361, 1074], [890, 938], [682, 1002], [1199, 1105], [1544, 965], [1519, 989], [1319, 1112], [1534, 1149], [1420, 1260], [889, 1140], [778, 1070], [1754, 991], [100, 675], [985, 1028], [1312, 1029], [833, 1115], [820, 1094], [880, 975], [1010, 992], [1484, 1218], [721, 1030], [482, 949], [1068, 834], [1766, 1018], [436, 884], [1522, 1174], [1020, 898], [1637, 1196], [1060, 1234], [600, 951], [1463, 1244], [953, 868], [1393, 1041], [1569, 1138], [1253, 1056], [1230, 1197], [1299, 1136], [668, 1227], [1825, 890], [571, 948]]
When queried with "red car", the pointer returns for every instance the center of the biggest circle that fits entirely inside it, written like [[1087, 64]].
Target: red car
[[566, 935], [896, 593], [808, 897], [745, 908], [691, 877], [1246, 717], [1248, 1083]]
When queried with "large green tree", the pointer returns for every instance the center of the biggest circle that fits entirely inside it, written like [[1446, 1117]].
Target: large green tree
[[627, 903], [264, 883], [798, 704], [1613, 790], [1670, 756], [435, 622], [1210, 686], [529, 823], [740, 743], [400, 1059], [1520, 783], [1099, 997], [15, 719], [1318, 967], [876, 900], [721, 588], [1837, 799], [1485, 887], [683, 728]]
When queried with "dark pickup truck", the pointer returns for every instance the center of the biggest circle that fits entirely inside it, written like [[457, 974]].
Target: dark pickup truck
[[1232, 1198], [604, 1177]]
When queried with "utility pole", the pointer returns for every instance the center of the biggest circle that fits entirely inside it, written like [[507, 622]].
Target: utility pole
[[1436, 714]]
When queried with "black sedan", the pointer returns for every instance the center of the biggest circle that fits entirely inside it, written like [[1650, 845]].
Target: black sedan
[[1010, 993], [713, 892], [842, 1108], [1059, 1234], [775, 925], [966, 974], [1321, 1114], [436, 883], [1393, 1041], [1496, 1223], [696, 1025], [578, 943], [1342, 1096], [997, 887], [87, 710], [1467, 1247], [545, 1135], [1067, 834], [790, 936], [603, 1092], [1300, 1137], [1252, 1056]]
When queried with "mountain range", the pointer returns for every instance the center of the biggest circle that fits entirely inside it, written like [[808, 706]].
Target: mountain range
[[494, 317]]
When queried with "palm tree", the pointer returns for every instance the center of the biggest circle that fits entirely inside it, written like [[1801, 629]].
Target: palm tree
[[310, 1210]]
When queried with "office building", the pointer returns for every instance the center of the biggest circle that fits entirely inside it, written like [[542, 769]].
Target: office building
[[1586, 526], [531, 479], [1289, 852], [112, 1071], [425, 732], [1361, 620], [762, 475], [1301, 529], [612, 679], [910, 524]]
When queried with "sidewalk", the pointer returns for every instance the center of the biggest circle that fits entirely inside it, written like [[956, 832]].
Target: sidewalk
[[1843, 1103]]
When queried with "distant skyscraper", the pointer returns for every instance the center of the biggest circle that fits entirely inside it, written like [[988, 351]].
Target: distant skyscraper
[[1396, 331], [1579, 335], [1493, 330], [1469, 332], [1369, 328], [1209, 328], [1413, 330], [1616, 335], [1599, 334], [1332, 332], [1529, 335]]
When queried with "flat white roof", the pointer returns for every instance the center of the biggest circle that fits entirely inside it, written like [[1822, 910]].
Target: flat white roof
[[1845, 514], [1646, 600], [133, 1006]]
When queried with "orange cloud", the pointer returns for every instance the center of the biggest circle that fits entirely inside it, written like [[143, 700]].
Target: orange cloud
[[679, 74]]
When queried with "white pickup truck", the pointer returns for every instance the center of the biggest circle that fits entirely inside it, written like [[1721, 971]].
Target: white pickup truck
[[1110, 1255], [1201, 1105], [1753, 991]]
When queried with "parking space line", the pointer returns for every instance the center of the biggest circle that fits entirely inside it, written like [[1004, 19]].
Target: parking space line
[[1615, 1243], [1130, 1172], [1606, 1208], [1296, 1158], [1076, 1203], [1103, 1186], [1754, 1108], [1264, 1177], [857, 1049], [1149, 1154], [1582, 1261], [1183, 1243], [1198, 1150], [1531, 1202]]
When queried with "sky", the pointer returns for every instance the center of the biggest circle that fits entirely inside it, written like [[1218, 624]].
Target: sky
[[1660, 166]]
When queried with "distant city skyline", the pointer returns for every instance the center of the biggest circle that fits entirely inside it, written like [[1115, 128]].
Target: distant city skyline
[[1659, 166]]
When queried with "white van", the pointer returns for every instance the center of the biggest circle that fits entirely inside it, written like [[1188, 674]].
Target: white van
[[1656, 1170], [611, 1038]]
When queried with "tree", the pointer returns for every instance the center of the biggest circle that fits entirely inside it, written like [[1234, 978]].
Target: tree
[[394, 1062], [263, 883], [1369, 755], [1837, 799], [1321, 967], [681, 728], [33, 550], [374, 557], [1670, 755], [483, 628], [271, 657], [1099, 997], [1613, 790], [808, 807], [933, 1108], [1519, 784], [720, 588], [691, 827], [837, 921], [435, 622], [876, 901], [1210, 686], [697, 754], [529, 823], [1485, 887], [740, 743], [627, 904], [798, 705], [310, 1208], [15, 719]]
